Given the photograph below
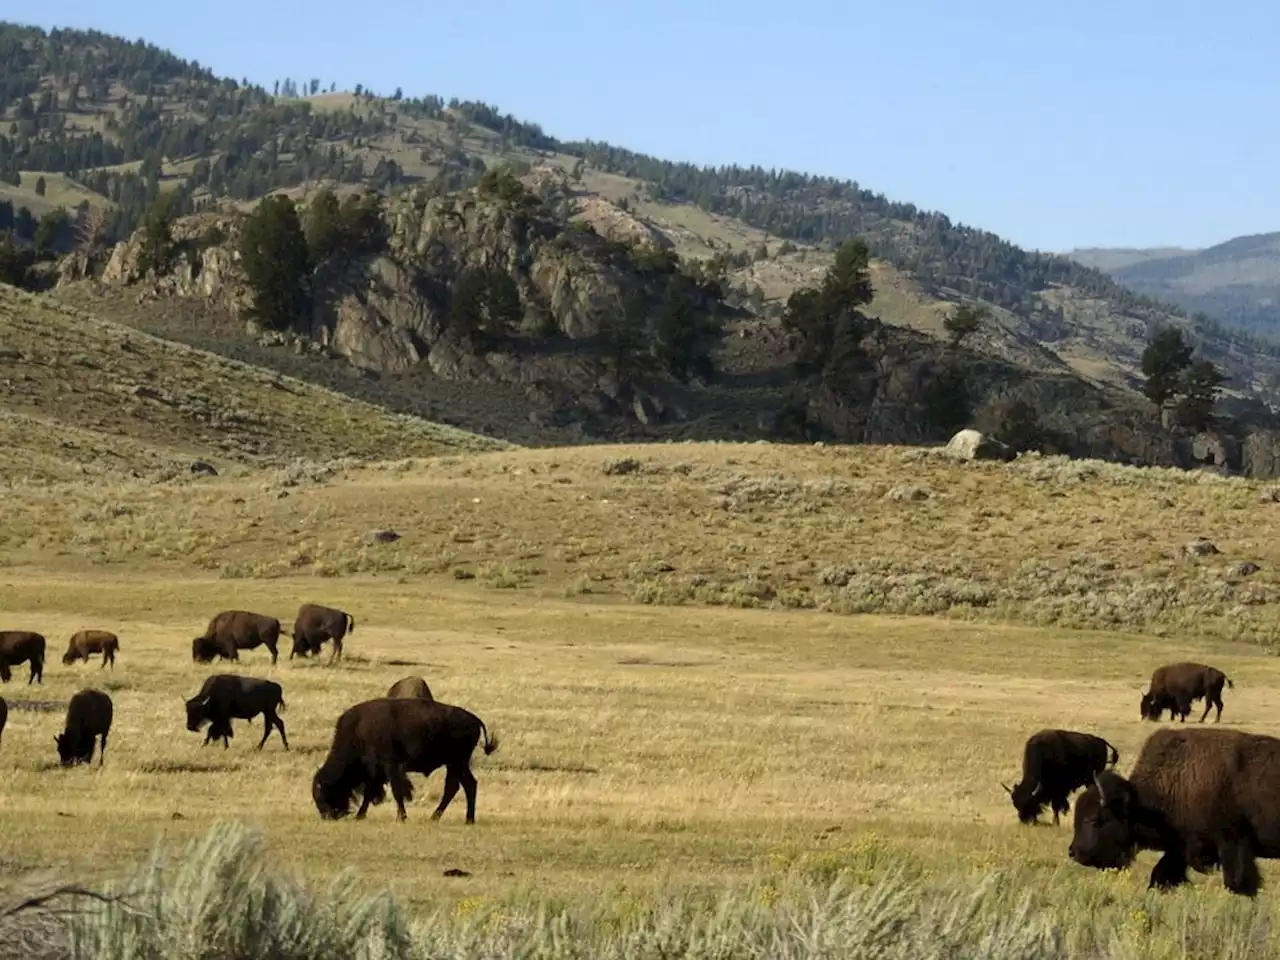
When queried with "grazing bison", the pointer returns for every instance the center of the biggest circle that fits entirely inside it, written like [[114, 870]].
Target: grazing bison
[[89, 715], [381, 741], [1203, 797], [1054, 763], [410, 687], [316, 624], [225, 696], [1175, 685], [235, 630], [86, 643], [17, 646]]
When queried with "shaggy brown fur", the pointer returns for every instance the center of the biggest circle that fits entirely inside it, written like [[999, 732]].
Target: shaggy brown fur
[[235, 630], [89, 715], [1176, 685], [86, 643], [225, 696], [410, 687], [19, 646], [379, 742], [1203, 796], [315, 625], [1054, 763]]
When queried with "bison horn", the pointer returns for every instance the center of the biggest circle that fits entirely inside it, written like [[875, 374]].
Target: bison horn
[[1006, 788]]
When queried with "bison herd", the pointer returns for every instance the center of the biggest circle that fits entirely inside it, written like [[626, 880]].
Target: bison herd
[[1202, 797], [376, 743]]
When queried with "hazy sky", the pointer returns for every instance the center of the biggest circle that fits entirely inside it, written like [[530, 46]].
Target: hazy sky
[[1095, 123]]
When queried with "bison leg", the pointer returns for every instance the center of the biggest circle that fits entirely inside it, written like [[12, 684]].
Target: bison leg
[[102, 749], [451, 784], [401, 789], [1217, 702], [275, 653], [1239, 865], [469, 788], [336, 654], [280, 726], [1170, 871]]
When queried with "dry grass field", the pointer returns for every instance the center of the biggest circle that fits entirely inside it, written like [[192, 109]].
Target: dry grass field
[[708, 666]]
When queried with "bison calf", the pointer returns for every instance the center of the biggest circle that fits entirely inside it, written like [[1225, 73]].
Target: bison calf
[[235, 630], [410, 687], [315, 625], [19, 646], [1054, 763], [1176, 685], [225, 696], [1203, 797], [86, 643], [89, 715], [381, 741]]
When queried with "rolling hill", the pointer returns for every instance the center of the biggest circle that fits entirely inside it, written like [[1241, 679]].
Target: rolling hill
[[1237, 282], [125, 121]]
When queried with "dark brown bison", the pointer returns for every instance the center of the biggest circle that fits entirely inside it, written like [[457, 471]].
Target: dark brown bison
[[1203, 797], [89, 715], [381, 741], [225, 696], [316, 624], [17, 646], [1054, 763], [1176, 685], [86, 643], [410, 687], [234, 630], [4, 715]]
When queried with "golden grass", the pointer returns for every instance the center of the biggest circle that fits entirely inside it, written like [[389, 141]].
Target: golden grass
[[82, 395], [643, 749]]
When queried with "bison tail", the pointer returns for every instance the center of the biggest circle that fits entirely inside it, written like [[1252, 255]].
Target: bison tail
[[351, 623], [490, 740], [282, 705], [1230, 685], [1115, 754]]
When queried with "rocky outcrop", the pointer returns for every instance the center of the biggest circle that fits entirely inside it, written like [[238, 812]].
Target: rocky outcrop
[[613, 223]]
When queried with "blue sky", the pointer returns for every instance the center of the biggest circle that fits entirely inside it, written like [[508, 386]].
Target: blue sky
[[1121, 123]]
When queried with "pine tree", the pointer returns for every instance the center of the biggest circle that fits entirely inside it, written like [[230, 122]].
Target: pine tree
[[277, 263]]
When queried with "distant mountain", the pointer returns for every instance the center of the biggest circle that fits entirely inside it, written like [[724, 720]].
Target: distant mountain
[[1110, 259], [1237, 282]]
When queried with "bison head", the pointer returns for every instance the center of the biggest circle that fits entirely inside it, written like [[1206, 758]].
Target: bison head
[[68, 750], [1025, 802], [1106, 823], [1149, 707], [332, 801], [69, 657], [196, 713]]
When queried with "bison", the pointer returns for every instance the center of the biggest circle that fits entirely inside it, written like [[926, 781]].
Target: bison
[[1055, 763], [1176, 685], [225, 696], [17, 646], [86, 643], [410, 687], [1203, 797], [316, 624], [89, 715], [379, 742], [234, 630]]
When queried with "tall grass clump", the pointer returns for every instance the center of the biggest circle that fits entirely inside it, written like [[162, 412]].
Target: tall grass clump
[[222, 898]]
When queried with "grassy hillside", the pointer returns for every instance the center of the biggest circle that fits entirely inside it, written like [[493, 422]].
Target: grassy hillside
[[1111, 259], [82, 395], [211, 140], [1237, 281]]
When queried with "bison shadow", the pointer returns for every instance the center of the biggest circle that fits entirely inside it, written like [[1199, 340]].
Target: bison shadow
[[643, 661], [38, 706], [537, 766], [186, 766]]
